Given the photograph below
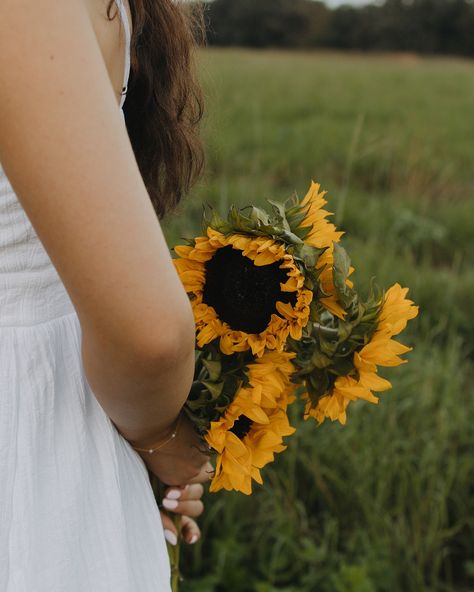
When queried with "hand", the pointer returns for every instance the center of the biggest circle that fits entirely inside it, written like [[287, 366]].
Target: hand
[[187, 502], [182, 460]]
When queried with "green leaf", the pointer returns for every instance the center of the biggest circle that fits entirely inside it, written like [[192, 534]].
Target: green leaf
[[259, 216], [302, 233], [309, 255], [318, 383], [328, 347], [296, 219], [344, 330], [330, 333], [290, 237], [320, 360], [280, 213], [211, 218], [239, 222], [341, 267], [215, 388], [343, 366], [214, 369]]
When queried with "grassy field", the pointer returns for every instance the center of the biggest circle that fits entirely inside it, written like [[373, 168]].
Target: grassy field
[[384, 504]]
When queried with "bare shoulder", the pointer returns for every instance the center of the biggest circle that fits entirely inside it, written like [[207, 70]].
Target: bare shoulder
[[110, 37]]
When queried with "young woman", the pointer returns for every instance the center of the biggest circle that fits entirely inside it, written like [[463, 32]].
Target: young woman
[[97, 141]]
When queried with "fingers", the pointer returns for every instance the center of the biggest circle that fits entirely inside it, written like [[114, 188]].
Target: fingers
[[171, 534], [189, 529], [194, 508], [185, 493], [184, 500]]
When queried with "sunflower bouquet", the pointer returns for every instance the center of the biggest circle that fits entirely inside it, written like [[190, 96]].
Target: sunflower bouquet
[[278, 318]]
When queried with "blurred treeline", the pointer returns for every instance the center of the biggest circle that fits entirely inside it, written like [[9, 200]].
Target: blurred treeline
[[425, 26]]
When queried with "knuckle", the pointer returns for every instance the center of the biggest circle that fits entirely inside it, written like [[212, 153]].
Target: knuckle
[[194, 474], [201, 478]]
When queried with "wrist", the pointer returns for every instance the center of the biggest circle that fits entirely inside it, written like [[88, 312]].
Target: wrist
[[152, 438]]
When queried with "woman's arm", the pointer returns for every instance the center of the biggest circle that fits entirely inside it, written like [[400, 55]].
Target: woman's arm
[[66, 152]]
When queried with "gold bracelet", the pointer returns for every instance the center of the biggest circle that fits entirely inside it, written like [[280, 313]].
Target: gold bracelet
[[159, 445]]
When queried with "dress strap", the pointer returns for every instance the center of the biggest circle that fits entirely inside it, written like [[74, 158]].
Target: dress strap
[[126, 27]]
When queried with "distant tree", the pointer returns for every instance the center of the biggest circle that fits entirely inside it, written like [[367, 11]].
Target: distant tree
[[266, 23], [429, 26]]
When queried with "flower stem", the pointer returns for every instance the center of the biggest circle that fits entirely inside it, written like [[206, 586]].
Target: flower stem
[[174, 552]]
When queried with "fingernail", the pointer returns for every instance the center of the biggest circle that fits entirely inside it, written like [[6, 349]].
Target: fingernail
[[194, 538], [170, 504], [170, 537], [173, 494]]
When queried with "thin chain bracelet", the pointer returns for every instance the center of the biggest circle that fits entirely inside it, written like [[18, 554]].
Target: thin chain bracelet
[[159, 445]]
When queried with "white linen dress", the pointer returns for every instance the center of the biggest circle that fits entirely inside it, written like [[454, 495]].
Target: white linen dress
[[77, 512]]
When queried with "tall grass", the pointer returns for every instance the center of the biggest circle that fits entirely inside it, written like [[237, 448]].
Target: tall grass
[[384, 504]]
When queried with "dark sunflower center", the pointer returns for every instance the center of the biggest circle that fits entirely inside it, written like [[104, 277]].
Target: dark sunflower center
[[244, 295], [241, 427]]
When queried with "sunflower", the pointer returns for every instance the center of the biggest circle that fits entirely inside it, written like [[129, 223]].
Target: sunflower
[[380, 350], [246, 438], [250, 432], [323, 235], [234, 469], [247, 291], [397, 310], [270, 379]]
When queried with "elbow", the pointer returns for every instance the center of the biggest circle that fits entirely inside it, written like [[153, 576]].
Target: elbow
[[168, 342]]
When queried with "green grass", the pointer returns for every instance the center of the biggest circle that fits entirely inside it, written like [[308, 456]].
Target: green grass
[[384, 504]]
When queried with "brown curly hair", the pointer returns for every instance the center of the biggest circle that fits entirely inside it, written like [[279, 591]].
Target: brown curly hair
[[164, 103]]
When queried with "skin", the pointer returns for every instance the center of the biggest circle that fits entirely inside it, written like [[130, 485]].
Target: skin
[[66, 152], [111, 39], [188, 504]]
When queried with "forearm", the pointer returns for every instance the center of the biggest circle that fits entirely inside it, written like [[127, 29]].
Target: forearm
[[141, 393]]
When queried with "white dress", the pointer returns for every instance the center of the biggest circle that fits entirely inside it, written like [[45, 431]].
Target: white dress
[[77, 512]]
